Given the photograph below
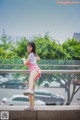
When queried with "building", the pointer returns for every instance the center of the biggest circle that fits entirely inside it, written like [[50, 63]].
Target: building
[[76, 36]]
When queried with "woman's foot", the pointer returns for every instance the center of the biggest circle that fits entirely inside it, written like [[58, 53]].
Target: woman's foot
[[29, 108], [27, 92]]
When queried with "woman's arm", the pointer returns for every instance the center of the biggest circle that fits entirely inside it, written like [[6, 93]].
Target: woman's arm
[[25, 61]]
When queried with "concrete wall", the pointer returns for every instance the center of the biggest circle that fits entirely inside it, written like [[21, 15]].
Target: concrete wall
[[43, 114]]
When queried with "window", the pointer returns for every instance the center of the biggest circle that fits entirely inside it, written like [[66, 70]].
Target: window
[[21, 99], [43, 93]]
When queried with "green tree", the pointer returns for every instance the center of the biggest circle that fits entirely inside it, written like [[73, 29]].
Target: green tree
[[2, 53], [5, 41], [48, 48], [21, 47], [72, 48], [68, 81]]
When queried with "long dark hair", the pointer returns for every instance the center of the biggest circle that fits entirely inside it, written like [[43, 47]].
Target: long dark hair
[[33, 47]]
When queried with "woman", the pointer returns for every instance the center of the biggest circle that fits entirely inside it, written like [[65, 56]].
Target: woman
[[35, 72]]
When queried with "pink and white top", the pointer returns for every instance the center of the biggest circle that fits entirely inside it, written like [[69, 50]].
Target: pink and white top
[[32, 58], [33, 65]]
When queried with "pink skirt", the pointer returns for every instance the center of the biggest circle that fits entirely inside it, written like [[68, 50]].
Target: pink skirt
[[35, 67]]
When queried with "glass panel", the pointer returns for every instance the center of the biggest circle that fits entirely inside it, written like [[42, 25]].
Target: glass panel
[[56, 88]]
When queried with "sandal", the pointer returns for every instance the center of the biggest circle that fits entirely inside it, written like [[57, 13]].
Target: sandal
[[27, 92], [29, 109]]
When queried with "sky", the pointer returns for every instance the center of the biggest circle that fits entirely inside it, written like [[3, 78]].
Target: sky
[[37, 17]]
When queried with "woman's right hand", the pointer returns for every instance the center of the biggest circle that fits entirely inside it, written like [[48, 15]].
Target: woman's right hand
[[23, 59], [26, 61]]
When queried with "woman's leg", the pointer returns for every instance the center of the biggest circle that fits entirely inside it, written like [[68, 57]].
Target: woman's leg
[[33, 75], [31, 100]]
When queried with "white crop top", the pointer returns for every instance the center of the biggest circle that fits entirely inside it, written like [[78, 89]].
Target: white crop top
[[32, 58]]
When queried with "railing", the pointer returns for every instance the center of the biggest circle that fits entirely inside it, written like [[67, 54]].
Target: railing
[[43, 65], [42, 71], [47, 112]]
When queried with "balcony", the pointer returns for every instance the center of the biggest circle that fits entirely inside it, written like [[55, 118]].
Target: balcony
[[68, 111]]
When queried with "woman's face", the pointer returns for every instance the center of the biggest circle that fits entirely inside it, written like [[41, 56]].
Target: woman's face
[[29, 48]]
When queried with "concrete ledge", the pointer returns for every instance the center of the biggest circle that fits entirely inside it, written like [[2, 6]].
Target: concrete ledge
[[41, 108], [58, 115], [43, 113]]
